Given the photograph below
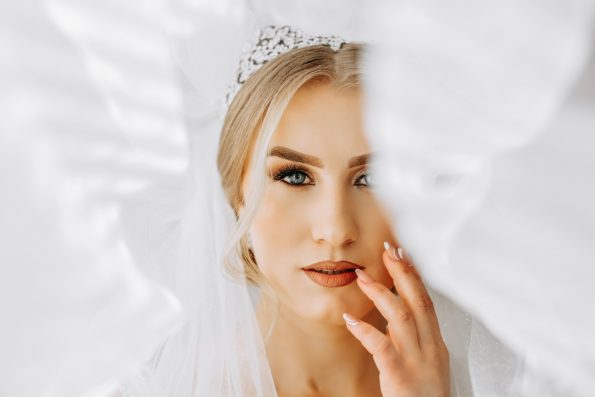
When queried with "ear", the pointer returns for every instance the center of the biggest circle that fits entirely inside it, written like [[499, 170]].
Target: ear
[[239, 208]]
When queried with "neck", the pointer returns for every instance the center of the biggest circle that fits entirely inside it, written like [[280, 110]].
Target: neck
[[314, 358]]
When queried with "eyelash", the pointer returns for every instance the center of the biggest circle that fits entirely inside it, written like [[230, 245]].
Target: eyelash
[[292, 169]]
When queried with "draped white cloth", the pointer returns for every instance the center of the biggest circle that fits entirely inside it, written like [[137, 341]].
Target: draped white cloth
[[483, 117]]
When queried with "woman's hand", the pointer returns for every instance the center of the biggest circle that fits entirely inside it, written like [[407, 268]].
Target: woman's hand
[[411, 357]]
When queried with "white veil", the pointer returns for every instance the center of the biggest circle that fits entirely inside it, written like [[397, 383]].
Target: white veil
[[203, 359], [162, 70]]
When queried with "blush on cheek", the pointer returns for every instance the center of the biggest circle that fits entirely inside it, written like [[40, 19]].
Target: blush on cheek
[[272, 249], [280, 220]]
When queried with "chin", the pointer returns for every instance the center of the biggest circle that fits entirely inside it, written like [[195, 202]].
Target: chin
[[330, 309]]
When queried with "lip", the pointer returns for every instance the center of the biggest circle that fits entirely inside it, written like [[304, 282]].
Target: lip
[[333, 265], [332, 280]]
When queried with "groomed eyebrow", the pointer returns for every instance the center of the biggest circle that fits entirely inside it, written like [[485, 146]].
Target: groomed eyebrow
[[292, 155]]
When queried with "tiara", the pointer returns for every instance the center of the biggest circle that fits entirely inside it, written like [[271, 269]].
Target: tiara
[[268, 42]]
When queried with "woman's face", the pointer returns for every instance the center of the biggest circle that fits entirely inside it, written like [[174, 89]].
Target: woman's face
[[321, 208]]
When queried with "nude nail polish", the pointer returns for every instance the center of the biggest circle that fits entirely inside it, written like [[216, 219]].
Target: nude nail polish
[[365, 277], [406, 257], [391, 251], [350, 320]]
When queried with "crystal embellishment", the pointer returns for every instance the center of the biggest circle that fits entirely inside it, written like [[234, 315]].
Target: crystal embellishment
[[269, 42]]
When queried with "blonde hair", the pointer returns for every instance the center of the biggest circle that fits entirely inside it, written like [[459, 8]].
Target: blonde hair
[[250, 121]]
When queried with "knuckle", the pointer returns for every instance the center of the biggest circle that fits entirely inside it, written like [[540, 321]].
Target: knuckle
[[424, 302], [437, 352], [384, 347], [444, 353], [381, 293], [406, 268], [405, 316]]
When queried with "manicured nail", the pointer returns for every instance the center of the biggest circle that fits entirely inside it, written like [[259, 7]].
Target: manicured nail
[[350, 320], [365, 277], [400, 252], [406, 257], [391, 251]]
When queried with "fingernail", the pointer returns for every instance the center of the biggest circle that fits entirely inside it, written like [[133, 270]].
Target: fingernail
[[350, 320], [365, 277], [406, 257], [391, 251], [400, 252]]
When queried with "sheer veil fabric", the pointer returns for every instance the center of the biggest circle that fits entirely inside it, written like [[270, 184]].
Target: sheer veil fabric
[[463, 103]]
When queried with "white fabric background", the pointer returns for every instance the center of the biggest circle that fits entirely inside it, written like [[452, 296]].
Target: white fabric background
[[483, 115]]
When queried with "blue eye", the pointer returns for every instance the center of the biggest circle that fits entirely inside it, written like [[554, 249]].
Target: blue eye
[[295, 178], [296, 175]]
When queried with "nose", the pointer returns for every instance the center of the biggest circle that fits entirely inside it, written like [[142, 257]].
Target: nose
[[334, 219]]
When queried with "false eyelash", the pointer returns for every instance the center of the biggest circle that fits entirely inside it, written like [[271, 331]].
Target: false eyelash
[[291, 169], [288, 170]]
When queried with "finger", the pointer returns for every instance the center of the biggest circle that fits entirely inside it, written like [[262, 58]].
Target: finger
[[414, 293], [376, 343], [401, 324]]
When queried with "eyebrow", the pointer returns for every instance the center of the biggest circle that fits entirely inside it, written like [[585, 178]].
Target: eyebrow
[[292, 155]]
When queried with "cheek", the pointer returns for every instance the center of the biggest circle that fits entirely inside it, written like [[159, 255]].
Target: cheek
[[276, 230]]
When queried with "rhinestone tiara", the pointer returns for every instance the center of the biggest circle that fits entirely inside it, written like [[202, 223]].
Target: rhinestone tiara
[[268, 42]]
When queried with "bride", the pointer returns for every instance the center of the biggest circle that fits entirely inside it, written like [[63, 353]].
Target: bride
[[318, 214], [307, 291], [220, 288]]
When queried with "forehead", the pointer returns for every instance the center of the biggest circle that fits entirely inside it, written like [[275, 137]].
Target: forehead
[[324, 122]]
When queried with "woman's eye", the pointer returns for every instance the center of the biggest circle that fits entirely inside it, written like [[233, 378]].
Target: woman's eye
[[294, 177], [367, 177], [298, 177]]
